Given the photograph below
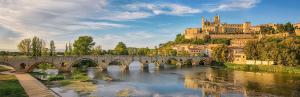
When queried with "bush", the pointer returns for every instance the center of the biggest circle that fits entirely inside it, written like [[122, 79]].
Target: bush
[[56, 77], [80, 77], [65, 82], [264, 68]]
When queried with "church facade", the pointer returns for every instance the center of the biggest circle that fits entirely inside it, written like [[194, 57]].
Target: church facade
[[216, 26], [219, 29]]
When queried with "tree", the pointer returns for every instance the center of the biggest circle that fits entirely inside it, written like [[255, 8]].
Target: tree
[[37, 45], [70, 51], [156, 50], [83, 45], [52, 48], [267, 30], [288, 27], [45, 52], [132, 51], [252, 50], [121, 49], [97, 50], [283, 51], [24, 46], [179, 38], [220, 53], [280, 28], [173, 52], [66, 53]]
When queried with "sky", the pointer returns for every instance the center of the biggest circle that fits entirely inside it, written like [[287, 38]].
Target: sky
[[137, 23]]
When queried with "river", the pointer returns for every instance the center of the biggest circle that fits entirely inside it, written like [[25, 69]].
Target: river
[[183, 82]]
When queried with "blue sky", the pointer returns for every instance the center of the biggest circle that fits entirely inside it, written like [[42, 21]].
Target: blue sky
[[139, 23]]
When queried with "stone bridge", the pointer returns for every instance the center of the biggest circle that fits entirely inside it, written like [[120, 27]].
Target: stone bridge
[[64, 63]]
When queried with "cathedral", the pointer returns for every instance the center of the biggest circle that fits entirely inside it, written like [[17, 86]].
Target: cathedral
[[216, 28]]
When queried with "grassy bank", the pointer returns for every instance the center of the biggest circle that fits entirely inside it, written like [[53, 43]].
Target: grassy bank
[[2, 68], [10, 87], [263, 68]]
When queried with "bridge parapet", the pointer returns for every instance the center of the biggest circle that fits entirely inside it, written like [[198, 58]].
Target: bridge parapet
[[103, 61]]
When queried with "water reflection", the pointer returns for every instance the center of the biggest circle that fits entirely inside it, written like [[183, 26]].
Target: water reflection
[[184, 82], [217, 83]]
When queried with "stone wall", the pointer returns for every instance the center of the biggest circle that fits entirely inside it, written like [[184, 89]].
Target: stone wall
[[258, 62], [231, 36], [297, 31]]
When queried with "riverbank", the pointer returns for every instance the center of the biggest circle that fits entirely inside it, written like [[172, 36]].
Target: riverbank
[[2, 68], [262, 68], [9, 85]]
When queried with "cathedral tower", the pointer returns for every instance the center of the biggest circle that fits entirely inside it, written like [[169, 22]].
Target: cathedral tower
[[203, 22], [217, 20]]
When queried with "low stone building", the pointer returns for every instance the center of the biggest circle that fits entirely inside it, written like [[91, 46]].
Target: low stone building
[[240, 42], [297, 30], [193, 33], [195, 50], [192, 49], [209, 49], [238, 56]]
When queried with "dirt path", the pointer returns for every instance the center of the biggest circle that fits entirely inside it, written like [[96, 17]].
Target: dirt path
[[33, 87]]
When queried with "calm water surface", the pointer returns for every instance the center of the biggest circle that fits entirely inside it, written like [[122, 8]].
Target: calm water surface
[[184, 82]]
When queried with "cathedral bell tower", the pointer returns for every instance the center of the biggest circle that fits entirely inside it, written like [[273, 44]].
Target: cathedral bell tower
[[217, 20], [203, 22]]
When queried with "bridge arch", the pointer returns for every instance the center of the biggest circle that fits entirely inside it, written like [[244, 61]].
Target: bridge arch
[[91, 62], [171, 61], [31, 67]]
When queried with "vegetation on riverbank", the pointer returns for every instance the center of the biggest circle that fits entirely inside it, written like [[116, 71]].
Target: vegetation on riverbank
[[2, 68], [263, 68], [10, 87], [283, 51]]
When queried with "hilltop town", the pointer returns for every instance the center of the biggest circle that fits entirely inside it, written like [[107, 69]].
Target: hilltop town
[[201, 41]]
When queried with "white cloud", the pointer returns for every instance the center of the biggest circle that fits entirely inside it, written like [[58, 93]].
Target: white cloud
[[49, 19], [125, 15], [163, 8], [234, 5]]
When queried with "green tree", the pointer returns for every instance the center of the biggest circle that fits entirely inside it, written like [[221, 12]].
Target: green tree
[[83, 45], [121, 49], [289, 28], [280, 28], [267, 30], [70, 51], [52, 48], [24, 46], [132, 51], [66, 53], [179, 38], [45, 52], [97, 50], [220, 53], [37, 45], [173, 52], [156, 51], [252, 50]]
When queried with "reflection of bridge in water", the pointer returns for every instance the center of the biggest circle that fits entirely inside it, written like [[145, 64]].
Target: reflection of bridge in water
[[64, 63]]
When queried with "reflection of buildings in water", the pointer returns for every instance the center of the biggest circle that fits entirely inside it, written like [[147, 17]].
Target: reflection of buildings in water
[[252, 81], [210, 85], [263, 79]]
